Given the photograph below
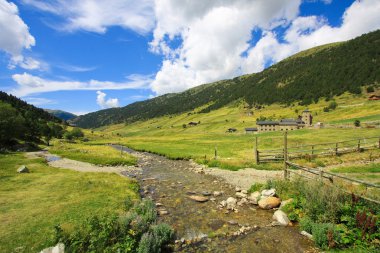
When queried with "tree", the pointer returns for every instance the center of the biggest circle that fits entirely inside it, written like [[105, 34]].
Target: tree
[[357, 123], [11, 124]]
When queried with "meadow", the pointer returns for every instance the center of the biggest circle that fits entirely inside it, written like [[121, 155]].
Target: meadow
[[32, 204], [173, 137], [95, 154]]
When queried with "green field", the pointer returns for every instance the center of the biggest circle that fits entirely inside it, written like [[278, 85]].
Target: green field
[[32, 204], [167, 135], [95, 154]]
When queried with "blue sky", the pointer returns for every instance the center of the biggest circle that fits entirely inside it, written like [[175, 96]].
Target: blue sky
[[83, 56]]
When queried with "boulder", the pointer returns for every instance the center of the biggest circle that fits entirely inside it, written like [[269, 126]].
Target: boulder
[[198, 198], [242, 202], [241, 195], [304, 233], [23, 169], [268, 193], [254, 197], [59, 248], [269, 203], [285, 202], [231, 203], [281, 218]]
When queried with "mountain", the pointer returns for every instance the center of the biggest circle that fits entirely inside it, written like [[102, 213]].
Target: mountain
[[61, 114], [323, 71]]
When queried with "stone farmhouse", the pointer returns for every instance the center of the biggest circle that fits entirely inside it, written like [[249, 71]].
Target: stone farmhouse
[[305, 120]]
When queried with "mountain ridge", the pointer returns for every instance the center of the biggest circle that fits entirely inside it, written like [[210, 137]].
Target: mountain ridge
[[323, 71]]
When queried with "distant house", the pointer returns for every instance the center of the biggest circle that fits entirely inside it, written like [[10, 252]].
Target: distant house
[[193, 123], [374, 97], [286, 124], [249, 130], [231, 130]]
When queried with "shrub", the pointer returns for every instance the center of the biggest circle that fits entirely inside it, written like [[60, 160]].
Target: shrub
[[306, 224], [324, 235], [357, 123], [370, 89], [154, 240]]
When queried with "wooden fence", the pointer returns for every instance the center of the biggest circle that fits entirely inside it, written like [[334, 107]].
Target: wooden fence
[[317, 150], [326, 176]]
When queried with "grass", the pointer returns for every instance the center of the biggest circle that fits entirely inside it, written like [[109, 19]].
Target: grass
[[369, 168], [32, 204], [95, 154]]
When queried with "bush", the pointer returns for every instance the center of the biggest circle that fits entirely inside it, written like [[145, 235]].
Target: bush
[[256, 187], [133, 232], [370, 89], [324, 235], [357, 123]]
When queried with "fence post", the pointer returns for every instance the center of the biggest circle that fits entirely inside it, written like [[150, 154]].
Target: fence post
[[336, 149], [285, 155], [257, 159], [216, 152], [312, 150], [320, 174], [359, 145]]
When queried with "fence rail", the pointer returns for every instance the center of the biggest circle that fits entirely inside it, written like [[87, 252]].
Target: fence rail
[[317, 150]]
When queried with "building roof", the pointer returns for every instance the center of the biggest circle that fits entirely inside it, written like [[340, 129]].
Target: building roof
[[290, 122], [249, 129], [267, 122]]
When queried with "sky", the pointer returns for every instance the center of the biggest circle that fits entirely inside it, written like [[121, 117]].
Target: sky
[[88, 55]]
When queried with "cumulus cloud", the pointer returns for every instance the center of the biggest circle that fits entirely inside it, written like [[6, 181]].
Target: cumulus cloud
[[216, 37], [31, 84], [15, 37], [307, 32], [97, 16], [106, 103]]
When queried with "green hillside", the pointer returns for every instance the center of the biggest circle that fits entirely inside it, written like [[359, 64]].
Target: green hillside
[[61, 114], [20, 121], [324, 71]]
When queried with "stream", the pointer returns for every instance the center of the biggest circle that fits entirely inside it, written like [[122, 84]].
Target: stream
[[206, 227]]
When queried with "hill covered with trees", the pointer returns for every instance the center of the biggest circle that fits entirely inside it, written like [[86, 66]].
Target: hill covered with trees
[[323, 71], [61, 114], [20, 121]]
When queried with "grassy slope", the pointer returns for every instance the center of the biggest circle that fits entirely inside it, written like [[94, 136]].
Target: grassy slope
[[165, 135], [31, 204]]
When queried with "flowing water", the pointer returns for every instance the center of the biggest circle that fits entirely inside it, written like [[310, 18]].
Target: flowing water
[[204, 227]]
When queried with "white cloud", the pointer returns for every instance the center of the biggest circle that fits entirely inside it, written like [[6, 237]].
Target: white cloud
[[97, 16], [15, 37], [39, 101], [307, 32], [103, 103], [74, 68], [214, 34], [30, 84]]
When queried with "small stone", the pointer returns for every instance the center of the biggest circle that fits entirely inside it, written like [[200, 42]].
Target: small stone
[[268, 193], [213, 199], [244, 191], [241, 195], [206, 193], [242, 202], [254, 197], [59, 248], [198, 198], [237, 189], [159, 204], [191, 193], [231, 203], [281, 218], [304, 233], [232, 222], [216, 193], [23, 169], [162, 212]]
